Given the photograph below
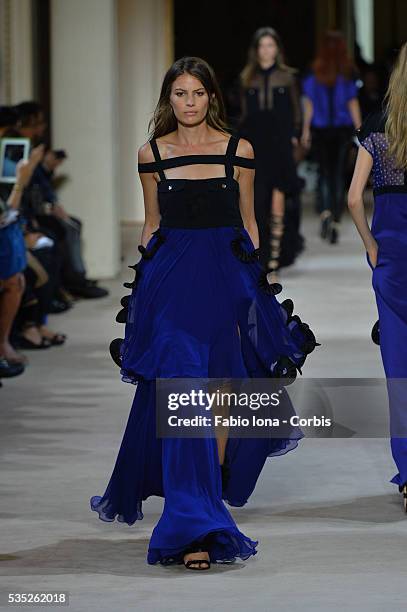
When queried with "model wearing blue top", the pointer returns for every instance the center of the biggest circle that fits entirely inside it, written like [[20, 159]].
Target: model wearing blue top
[[331, 111], [200, 307], [383, 137]]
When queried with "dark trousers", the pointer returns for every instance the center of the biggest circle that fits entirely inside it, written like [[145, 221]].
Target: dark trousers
[[68, 236], [331, 150], [36, 300]]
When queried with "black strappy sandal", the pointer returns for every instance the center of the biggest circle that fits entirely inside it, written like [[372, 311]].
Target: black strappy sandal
[[57, 339], [27, 344], [197, 547]]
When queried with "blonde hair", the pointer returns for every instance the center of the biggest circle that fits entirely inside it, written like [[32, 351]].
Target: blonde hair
[[396, 111]]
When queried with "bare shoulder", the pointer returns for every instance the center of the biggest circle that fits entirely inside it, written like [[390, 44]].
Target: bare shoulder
[[165, 142], [145, 154], [245, 149]]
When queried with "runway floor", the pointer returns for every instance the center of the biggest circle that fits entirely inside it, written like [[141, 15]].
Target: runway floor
[[331, 530]]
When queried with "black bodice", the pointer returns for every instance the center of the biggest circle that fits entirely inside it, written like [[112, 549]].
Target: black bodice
[[199, 203]]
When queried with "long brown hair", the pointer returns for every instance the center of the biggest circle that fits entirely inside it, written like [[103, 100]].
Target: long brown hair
[[164, 121], [252, 64], [396, 110], [333, 59]]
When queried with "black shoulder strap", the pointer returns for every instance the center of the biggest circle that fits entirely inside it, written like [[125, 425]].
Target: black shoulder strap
[[374, 122], [157, 158], [230, 154]]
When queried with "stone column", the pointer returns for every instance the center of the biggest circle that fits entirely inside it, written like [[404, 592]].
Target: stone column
[[145, 53], [16, 58], [84, 106]]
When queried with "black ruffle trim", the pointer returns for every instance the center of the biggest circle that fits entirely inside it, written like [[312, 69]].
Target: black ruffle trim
[[121, 317], [240, 252], [285, 367], [288, 306], [269, 288], [137, 275], [148, 253], [375, 333], [114, 349]]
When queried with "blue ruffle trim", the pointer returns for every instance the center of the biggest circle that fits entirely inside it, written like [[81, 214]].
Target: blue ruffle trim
[[226, 546], [101, 506]]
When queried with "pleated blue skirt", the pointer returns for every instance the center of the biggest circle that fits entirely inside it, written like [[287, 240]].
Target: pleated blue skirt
[[200, 307]]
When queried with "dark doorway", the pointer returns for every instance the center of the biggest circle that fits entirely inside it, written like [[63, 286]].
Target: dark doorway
[[220, 32]]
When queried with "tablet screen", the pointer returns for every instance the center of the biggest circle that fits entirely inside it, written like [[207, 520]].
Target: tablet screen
[[11, 151]]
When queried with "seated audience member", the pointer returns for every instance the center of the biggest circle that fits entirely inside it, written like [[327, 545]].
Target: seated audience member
[[18, 243], [44, 211], [13, 261]]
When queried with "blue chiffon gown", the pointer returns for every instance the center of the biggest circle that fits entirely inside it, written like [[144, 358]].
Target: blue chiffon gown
[[200, 307], [389, 279]]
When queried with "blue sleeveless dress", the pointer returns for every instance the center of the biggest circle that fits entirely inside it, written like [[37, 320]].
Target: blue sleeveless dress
[[389, 280], [201, 307]]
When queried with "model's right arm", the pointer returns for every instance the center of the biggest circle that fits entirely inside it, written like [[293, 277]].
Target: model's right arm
[[356, 207], [296, 107], [151, 207]]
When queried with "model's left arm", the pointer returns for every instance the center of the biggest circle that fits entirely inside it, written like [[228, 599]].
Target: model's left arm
[[246, 186], [353, 105], [296, 106], [354, 110]]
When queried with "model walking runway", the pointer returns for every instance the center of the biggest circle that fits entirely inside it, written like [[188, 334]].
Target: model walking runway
[[200, 307], [383, 137]]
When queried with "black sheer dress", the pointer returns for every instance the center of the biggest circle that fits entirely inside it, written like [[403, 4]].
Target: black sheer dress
[[270, 115]]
